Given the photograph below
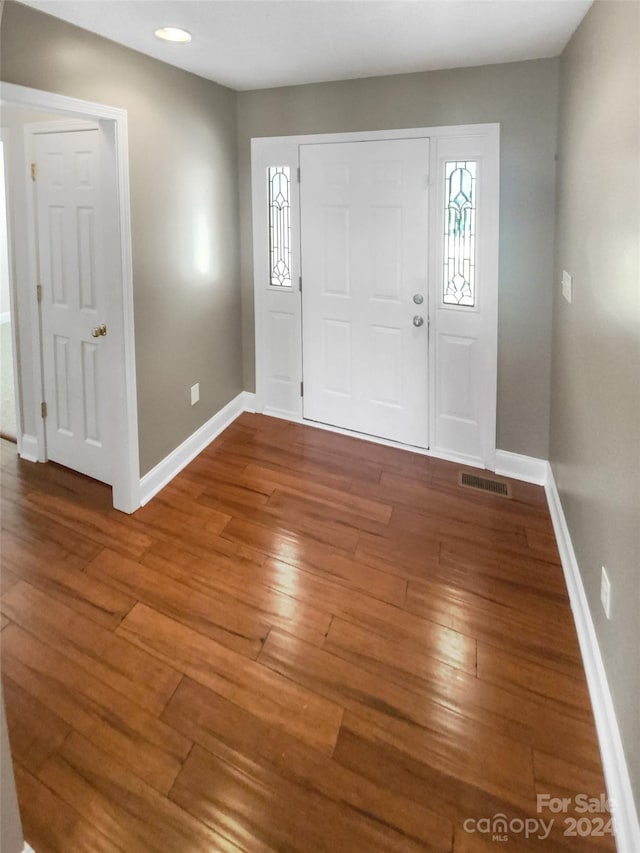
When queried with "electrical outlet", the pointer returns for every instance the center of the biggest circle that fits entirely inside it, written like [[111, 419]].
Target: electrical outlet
[[605, 593], [195, 393], [567, 286]]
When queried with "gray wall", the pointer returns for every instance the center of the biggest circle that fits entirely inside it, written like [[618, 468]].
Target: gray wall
[[10, 826], [182, 147], [184, 163], [522, 97], [595, 411], [183, 179]]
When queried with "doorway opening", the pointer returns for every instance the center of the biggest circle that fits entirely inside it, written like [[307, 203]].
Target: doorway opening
[[385, 323], [102, 394]]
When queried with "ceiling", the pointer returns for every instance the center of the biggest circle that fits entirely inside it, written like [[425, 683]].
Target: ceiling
[[259, 44]]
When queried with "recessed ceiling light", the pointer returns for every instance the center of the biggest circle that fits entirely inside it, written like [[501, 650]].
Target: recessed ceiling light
[[173, 34]]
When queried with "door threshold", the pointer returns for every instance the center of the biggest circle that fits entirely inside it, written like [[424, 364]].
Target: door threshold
[[398, 445], [374, 439]]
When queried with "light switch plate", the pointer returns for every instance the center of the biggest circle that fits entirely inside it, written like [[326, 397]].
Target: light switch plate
[[195, 393], [567, 286]]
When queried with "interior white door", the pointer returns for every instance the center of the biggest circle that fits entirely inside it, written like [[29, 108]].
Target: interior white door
[[364, 228], [77, 349]]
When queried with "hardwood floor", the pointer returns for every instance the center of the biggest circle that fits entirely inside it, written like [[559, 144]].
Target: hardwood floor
[[305, 642]]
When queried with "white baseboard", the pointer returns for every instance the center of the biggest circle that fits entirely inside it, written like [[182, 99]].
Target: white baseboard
[[249, 401], [625, 818], [525, 468], [29, 448], [179, 458]]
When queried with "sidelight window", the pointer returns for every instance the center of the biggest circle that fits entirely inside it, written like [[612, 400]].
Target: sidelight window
[[279, 226], [459, 257]]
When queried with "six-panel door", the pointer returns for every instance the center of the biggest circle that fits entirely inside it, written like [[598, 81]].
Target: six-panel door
[[69, 204], [364, 298]]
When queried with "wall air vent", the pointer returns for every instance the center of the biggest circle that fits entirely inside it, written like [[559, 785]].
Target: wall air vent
[[484, 484]]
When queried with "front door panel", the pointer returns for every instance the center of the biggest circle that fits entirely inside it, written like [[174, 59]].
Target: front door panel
[[364, 259]]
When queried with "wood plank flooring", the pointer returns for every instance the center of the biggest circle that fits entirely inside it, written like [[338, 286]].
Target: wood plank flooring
[[305, 642]]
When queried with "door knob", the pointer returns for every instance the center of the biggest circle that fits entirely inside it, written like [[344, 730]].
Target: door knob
[[99, 331], [418, 320]]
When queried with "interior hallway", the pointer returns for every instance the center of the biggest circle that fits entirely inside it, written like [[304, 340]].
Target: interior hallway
[[305, 642]]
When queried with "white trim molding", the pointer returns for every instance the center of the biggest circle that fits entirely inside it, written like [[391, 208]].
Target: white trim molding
[[525, 468], [126, 473], [616, 773], [278, 310], [5, 317], [179, 458], [249, 401], [162, 474], [29, 448]]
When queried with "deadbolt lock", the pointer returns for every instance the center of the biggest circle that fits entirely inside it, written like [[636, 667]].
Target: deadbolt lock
[[418, 298]]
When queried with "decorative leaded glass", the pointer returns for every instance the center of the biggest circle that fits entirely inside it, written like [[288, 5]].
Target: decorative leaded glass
[[279, 226], [458, 286]]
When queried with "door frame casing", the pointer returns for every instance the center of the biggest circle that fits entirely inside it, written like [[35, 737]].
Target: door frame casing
[[8, 201], [113, 121], [284, 151]]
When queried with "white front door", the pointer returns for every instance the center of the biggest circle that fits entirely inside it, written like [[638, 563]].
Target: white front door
[[79, 353], [364, 228]]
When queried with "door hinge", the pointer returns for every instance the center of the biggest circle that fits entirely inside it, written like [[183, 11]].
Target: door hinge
[[39, 292], [298, 174], [302, 389], [43, 410], [34, 171], [300, 282]]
